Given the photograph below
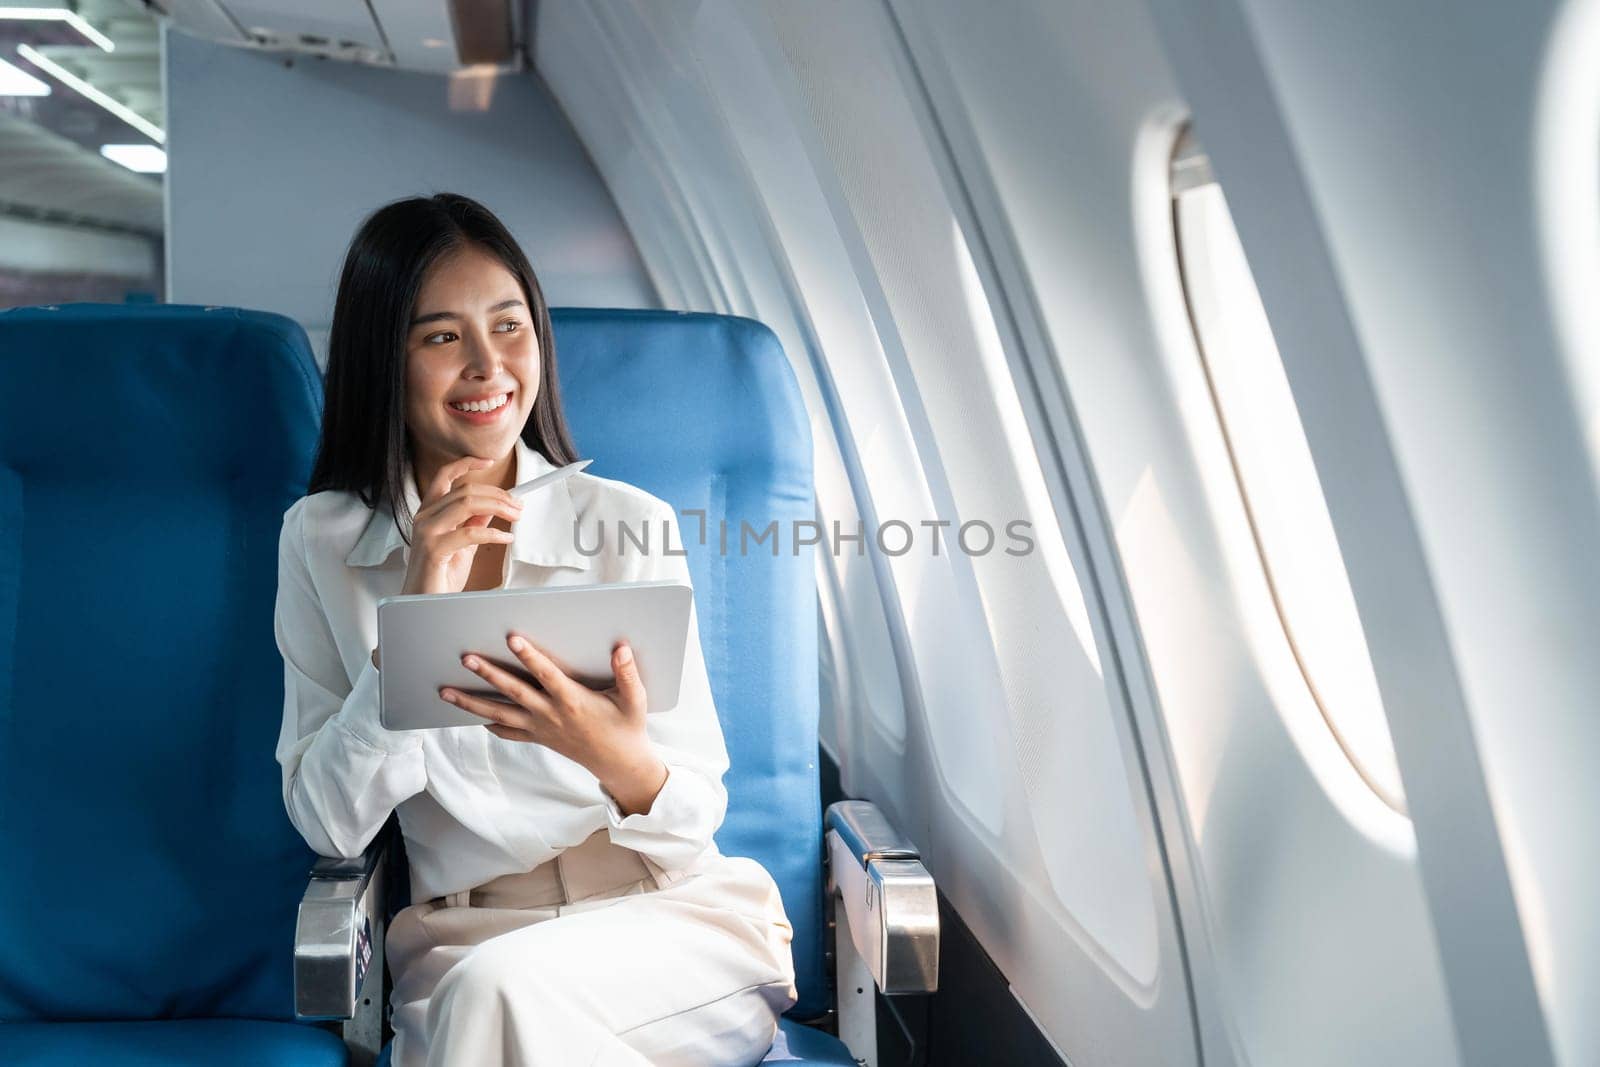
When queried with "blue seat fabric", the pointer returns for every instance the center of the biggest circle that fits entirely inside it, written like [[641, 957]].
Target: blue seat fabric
[[802, 1044], [147, 455], [169, 1043]]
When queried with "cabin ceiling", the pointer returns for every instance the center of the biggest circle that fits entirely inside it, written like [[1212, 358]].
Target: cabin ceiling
[[430, 36], [48, 176], [101, 61], [53, 169]]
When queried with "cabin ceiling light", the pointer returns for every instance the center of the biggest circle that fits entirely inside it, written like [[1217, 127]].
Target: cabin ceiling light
[[144, 158], [14, 81], [58, 13], [89, 92]]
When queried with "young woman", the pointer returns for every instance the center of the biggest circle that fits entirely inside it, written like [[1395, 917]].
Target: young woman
[[570, 906]]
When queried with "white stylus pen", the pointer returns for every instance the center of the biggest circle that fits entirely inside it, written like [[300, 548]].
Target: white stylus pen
[[548, 478]]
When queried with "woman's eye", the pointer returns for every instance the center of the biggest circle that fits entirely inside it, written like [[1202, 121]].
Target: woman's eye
[[440, 338], [509, 326]]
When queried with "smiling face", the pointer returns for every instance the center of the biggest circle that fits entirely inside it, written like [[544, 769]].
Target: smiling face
[[472, 362]]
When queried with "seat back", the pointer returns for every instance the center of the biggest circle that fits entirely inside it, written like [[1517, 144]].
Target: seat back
[[704, 412], [147, 454]]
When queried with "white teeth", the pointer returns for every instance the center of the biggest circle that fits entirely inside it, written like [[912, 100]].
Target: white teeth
[[483, 405]]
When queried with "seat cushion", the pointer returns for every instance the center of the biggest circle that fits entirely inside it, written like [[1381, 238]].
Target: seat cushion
[[169, 1043], [801, 1044], [795, 1043]]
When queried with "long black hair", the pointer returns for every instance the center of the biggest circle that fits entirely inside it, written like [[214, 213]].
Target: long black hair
[[363, 446]]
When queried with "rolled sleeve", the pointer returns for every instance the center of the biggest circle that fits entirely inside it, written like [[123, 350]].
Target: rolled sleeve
[[678, 825], [690, 806]]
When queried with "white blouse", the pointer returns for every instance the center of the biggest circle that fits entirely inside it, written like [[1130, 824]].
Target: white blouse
[[473, 806]]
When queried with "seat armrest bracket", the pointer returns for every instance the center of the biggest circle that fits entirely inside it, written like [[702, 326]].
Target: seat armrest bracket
[[876, 874], [338, 944]]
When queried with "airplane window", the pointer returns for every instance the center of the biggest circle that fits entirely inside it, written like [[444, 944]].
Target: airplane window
[[1271, 458]]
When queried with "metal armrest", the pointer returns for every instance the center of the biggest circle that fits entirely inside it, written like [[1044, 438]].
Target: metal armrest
[[890, 906], [338, 942]]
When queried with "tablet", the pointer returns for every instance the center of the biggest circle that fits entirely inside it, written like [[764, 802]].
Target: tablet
[[421, 640]]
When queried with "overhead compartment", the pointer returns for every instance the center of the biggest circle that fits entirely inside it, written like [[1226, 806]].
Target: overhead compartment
[[431, 36]]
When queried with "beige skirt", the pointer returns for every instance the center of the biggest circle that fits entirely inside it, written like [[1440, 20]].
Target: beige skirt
[[597, 958]]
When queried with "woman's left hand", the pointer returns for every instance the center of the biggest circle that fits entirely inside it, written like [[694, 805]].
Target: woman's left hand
[[602, 730]]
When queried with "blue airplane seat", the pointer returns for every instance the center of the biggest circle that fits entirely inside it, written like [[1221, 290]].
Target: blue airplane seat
[[147, 454]]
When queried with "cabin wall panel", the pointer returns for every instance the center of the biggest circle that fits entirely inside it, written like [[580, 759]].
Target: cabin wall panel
[[272, 165], [1419, 141], [1063, 756], [628, 139], [732, 120], [745, 134]]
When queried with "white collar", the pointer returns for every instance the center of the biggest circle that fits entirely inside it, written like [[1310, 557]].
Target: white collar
[[544, 536]]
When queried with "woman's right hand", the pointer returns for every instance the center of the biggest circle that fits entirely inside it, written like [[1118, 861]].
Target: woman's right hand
[[451, 523]]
